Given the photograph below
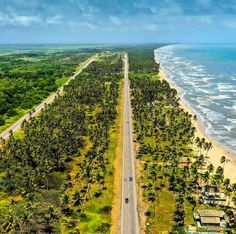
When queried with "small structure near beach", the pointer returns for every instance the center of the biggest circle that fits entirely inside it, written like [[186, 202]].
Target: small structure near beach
[[213, 198], [210, 220], [184, 162], [211, 188]]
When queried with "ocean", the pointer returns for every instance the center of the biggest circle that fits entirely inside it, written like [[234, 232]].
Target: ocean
[[205, 76]]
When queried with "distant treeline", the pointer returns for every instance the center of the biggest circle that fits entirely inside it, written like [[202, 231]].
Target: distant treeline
[[141, 59]]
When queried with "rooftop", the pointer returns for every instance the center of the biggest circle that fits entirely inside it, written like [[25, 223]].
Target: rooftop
[[210, 213], [185, 160], [210, 220]]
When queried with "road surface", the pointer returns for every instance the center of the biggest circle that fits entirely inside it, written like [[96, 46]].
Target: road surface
[[16, 126], [129, 213]]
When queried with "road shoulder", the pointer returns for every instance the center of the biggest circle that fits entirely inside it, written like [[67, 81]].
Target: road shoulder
[[116, 206]]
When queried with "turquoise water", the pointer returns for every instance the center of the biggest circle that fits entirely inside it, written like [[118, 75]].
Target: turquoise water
[[206, 78]]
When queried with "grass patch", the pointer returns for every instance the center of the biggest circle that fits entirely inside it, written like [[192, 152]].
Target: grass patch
[[163, 219], [19, 134], [94, 217], [61, 81], [4, 205], [188, 213], [11, 120]]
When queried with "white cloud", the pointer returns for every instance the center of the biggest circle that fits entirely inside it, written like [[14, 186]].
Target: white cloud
[[171, 9], [25, 20], [205, 19], [230, 24], [205, 3], [81, 25], [154, 10], [87, 25], [19, 20], [151, 27], [115, 20], [56, 20]]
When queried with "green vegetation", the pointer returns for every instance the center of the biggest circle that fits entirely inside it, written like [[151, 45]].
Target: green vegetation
[[61, 81], [166, 135], [57, 172], [142, 60], [28, 78], [57, 176]]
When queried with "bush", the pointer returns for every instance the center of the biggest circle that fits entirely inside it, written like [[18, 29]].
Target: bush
[[106, 209], [97, 194], [2, 121], [11, 112], [104, 227], [148, 213], [83, 216], [178, 230]]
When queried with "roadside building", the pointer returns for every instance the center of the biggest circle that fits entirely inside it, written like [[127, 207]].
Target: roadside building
[[212, 195], [211, 188], [214, 198], [210, 220]]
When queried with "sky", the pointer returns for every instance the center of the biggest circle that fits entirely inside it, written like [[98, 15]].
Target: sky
[[117, 21]]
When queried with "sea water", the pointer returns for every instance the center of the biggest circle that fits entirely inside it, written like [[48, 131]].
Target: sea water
[[206, 78]]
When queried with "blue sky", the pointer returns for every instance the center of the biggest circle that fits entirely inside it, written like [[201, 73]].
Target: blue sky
[[117, 21]]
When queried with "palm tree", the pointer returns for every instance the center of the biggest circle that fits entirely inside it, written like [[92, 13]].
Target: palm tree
[[179, 212], [210, 168], [223, 161], [77, 199], [226, 183], [219, 175]]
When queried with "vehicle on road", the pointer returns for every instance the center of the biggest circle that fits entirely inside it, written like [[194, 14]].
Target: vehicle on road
[[130, 178], [126, 200], [125, 179]]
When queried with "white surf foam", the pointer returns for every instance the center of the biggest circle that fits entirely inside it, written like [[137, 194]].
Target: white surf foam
[[228, 127], [232, 121]]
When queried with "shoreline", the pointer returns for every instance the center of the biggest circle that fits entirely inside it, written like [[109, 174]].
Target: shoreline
[[217, 151]]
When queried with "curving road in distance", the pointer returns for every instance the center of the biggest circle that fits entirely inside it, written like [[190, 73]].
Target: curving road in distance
[[16, 126]]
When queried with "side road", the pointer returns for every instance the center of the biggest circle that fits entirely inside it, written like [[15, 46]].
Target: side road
[[16, 126]]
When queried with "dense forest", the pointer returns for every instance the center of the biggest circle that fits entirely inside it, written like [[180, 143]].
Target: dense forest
[[29, 77], [174, 163], [58, 178]]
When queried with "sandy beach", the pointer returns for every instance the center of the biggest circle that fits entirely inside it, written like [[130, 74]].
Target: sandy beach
[[217, 151]]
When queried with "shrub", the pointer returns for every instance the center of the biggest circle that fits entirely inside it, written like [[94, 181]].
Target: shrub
[[103, 227], [2, 121], [11, 112], [106, 209]]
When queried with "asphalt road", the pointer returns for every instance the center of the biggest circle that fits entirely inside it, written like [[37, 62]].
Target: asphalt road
[[16, 126], [129, 213]]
